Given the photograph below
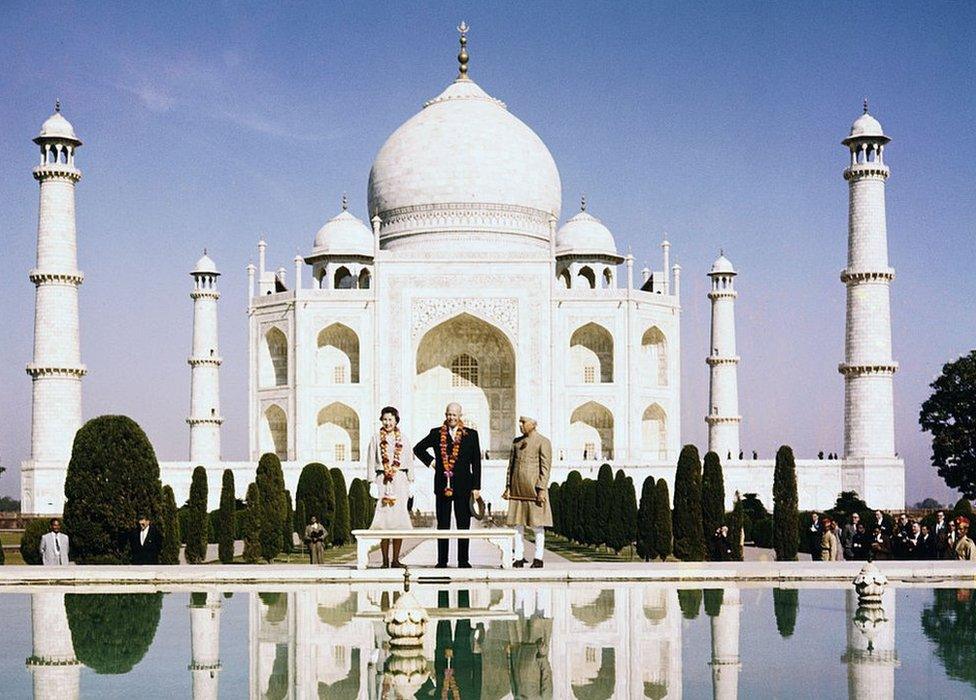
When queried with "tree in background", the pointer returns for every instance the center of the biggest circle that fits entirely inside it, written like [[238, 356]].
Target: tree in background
[[300, 517], [170, 527], [735, 522], [645, 521], [252, 525], [603, 504], [316, 491], [113, 476], [573, 506], [963, 507], [271, 487], [555, 506], [287, 531], [786, 536], [949, 414], [628, 508], [227, 516], [591, 516], [341, 527], [359, 515], [662, 520], [785, 604], [196, 530], [30, 540], [689, 540], [713, 495]]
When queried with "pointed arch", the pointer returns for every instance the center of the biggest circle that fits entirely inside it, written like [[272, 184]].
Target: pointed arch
[[566, 279], [337, 433], [343, 279], [654, 349], [364, 278], [654, 432], [588, 276], [337, 355], [591, 432], [274, 431], [273, 361], [591, 355]]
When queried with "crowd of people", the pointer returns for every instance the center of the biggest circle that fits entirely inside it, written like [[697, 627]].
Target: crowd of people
[[880, 538]]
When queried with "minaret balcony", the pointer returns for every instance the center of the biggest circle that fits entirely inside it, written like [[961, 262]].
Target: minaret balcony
[[716, 420], [46, 276], [723, 294], [204, 294], [861, 171], [713, 360], [877, 368], [197, 361], [77, 371], [848, 276], [207, 420], [57, 171]]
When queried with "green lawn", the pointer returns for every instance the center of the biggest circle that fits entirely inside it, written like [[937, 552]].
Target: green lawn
[[577, 552], [10, 536], [336, 555]]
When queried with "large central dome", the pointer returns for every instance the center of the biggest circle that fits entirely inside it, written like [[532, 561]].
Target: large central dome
[[465, 171]]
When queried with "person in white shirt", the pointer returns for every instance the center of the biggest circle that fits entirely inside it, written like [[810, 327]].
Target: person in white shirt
[[54, 546]]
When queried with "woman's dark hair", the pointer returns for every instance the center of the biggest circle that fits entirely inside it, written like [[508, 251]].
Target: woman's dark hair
[[392, 411]]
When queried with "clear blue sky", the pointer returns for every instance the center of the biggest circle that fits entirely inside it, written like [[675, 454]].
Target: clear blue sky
[[214, 124]]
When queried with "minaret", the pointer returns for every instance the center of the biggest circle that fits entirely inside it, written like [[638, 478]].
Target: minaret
[[725, 647], [867, 367], [723, 387], [56, 671], [205, 418], [56, 369], [205, 644]]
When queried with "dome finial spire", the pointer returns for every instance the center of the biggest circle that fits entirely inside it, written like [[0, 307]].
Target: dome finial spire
[[57, 105], [582, 202], [865, 105], [345, 202], [463, 53]]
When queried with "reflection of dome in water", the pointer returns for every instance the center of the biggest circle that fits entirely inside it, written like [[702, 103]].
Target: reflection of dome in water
[[340, 613], [347, 687], [601, 687], [597, 612], [655, 690]]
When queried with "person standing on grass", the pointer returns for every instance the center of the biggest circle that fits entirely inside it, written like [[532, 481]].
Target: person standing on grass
[[54, 546], [527, 490], [315, 534]]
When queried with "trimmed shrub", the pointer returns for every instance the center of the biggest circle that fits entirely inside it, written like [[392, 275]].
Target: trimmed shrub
[[689, 600], [271, 487], [227, 517], [555, 506], [30, 540], [645, 521], [689, 540], [753, 511], [252, 525], [785, 604], [170, 527], [786, 536], [111, 632], [287, 533], [963, 507], [734, 520], [113, 476], [713, 495], [573, 506], [196, 519], [316, 491], [341, 523], [359, 518], [762, 533], [300, 517], [713, 601], [622, 521], [590, 529], [662, 520], [605, 494]]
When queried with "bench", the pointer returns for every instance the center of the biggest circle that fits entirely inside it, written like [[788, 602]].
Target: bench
[[503, 538]]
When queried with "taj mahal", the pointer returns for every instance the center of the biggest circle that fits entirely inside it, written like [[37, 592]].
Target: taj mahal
[[466, 279]]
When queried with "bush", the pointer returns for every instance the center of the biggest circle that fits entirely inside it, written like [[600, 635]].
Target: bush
[[340, 527], [689, 600], [271, 487], [573, 506], [30, 540], [359, 516], [662, 520], [713, 495], [300, 517], [113, 476], [555, 506], [786, 537], [604, 496], [287, 533], [622, 520], [252, 525], [762, 533], [689, 540], [227, 517], [170, 527], [591, 520], [734, 520], [112, 632], [785, 605], [645, 521], [963, 507], [196, 519], [315, 490]]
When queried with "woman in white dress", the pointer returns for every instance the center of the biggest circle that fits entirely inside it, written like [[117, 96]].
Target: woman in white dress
[[390, 466]]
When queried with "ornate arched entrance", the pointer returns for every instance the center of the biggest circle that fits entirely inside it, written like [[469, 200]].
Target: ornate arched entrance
[[468, 360]]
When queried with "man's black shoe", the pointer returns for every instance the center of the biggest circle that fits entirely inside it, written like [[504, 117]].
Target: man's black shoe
[[519, 563], [536, 563], [464, 565], [440, 565]]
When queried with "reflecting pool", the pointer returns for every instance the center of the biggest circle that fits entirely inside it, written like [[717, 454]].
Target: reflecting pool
[[545, 640]]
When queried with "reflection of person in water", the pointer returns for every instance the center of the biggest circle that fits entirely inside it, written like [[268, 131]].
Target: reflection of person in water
[[528, 651], [456, 665]]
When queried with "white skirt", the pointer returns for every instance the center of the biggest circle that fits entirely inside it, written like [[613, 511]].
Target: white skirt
[[396, 516]]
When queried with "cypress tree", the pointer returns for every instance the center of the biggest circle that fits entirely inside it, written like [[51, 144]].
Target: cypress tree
[[662, 520], [786, 536], [621, 522], [112, 478], [300, 518], [341, 525], [735, 523], [227, 516], [170, 527], [359, 517], [713, 495], [315, 490], [645, 521], [591, 516], [689, 541], [602, 525], [271, 488], [30, 540], [555, 506], [252, 525], [785, 604], [287, 532], [630, 510], [573, 506], [196, 530]]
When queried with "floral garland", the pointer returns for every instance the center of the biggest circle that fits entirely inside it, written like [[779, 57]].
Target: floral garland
[[390, 466], [449, 460]]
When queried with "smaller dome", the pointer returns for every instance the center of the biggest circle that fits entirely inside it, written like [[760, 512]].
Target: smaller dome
[[722, 266], [344, 235], [866, 126], [205, 266], [57, 127], [585, 233]]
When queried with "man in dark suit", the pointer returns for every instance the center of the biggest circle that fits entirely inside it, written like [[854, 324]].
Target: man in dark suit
[[145, 542], [457, 477]]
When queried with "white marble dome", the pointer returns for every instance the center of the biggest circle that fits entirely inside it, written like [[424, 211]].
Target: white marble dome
[[722, 266], [205, 266], [58, 127], [585, 234], [464, 163], [344, 235], [866, 126]]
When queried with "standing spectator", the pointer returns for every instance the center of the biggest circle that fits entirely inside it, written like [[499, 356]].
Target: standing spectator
[[952, 537], [720, 545], [861, 543], [315, 534], [815, 535], [965, 548], [929, 544], [880, 546], [879, 523], [54, 546], [145, 542], [911, 542], [904, 528], [847, 536], [829, 544], [940, 533]]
